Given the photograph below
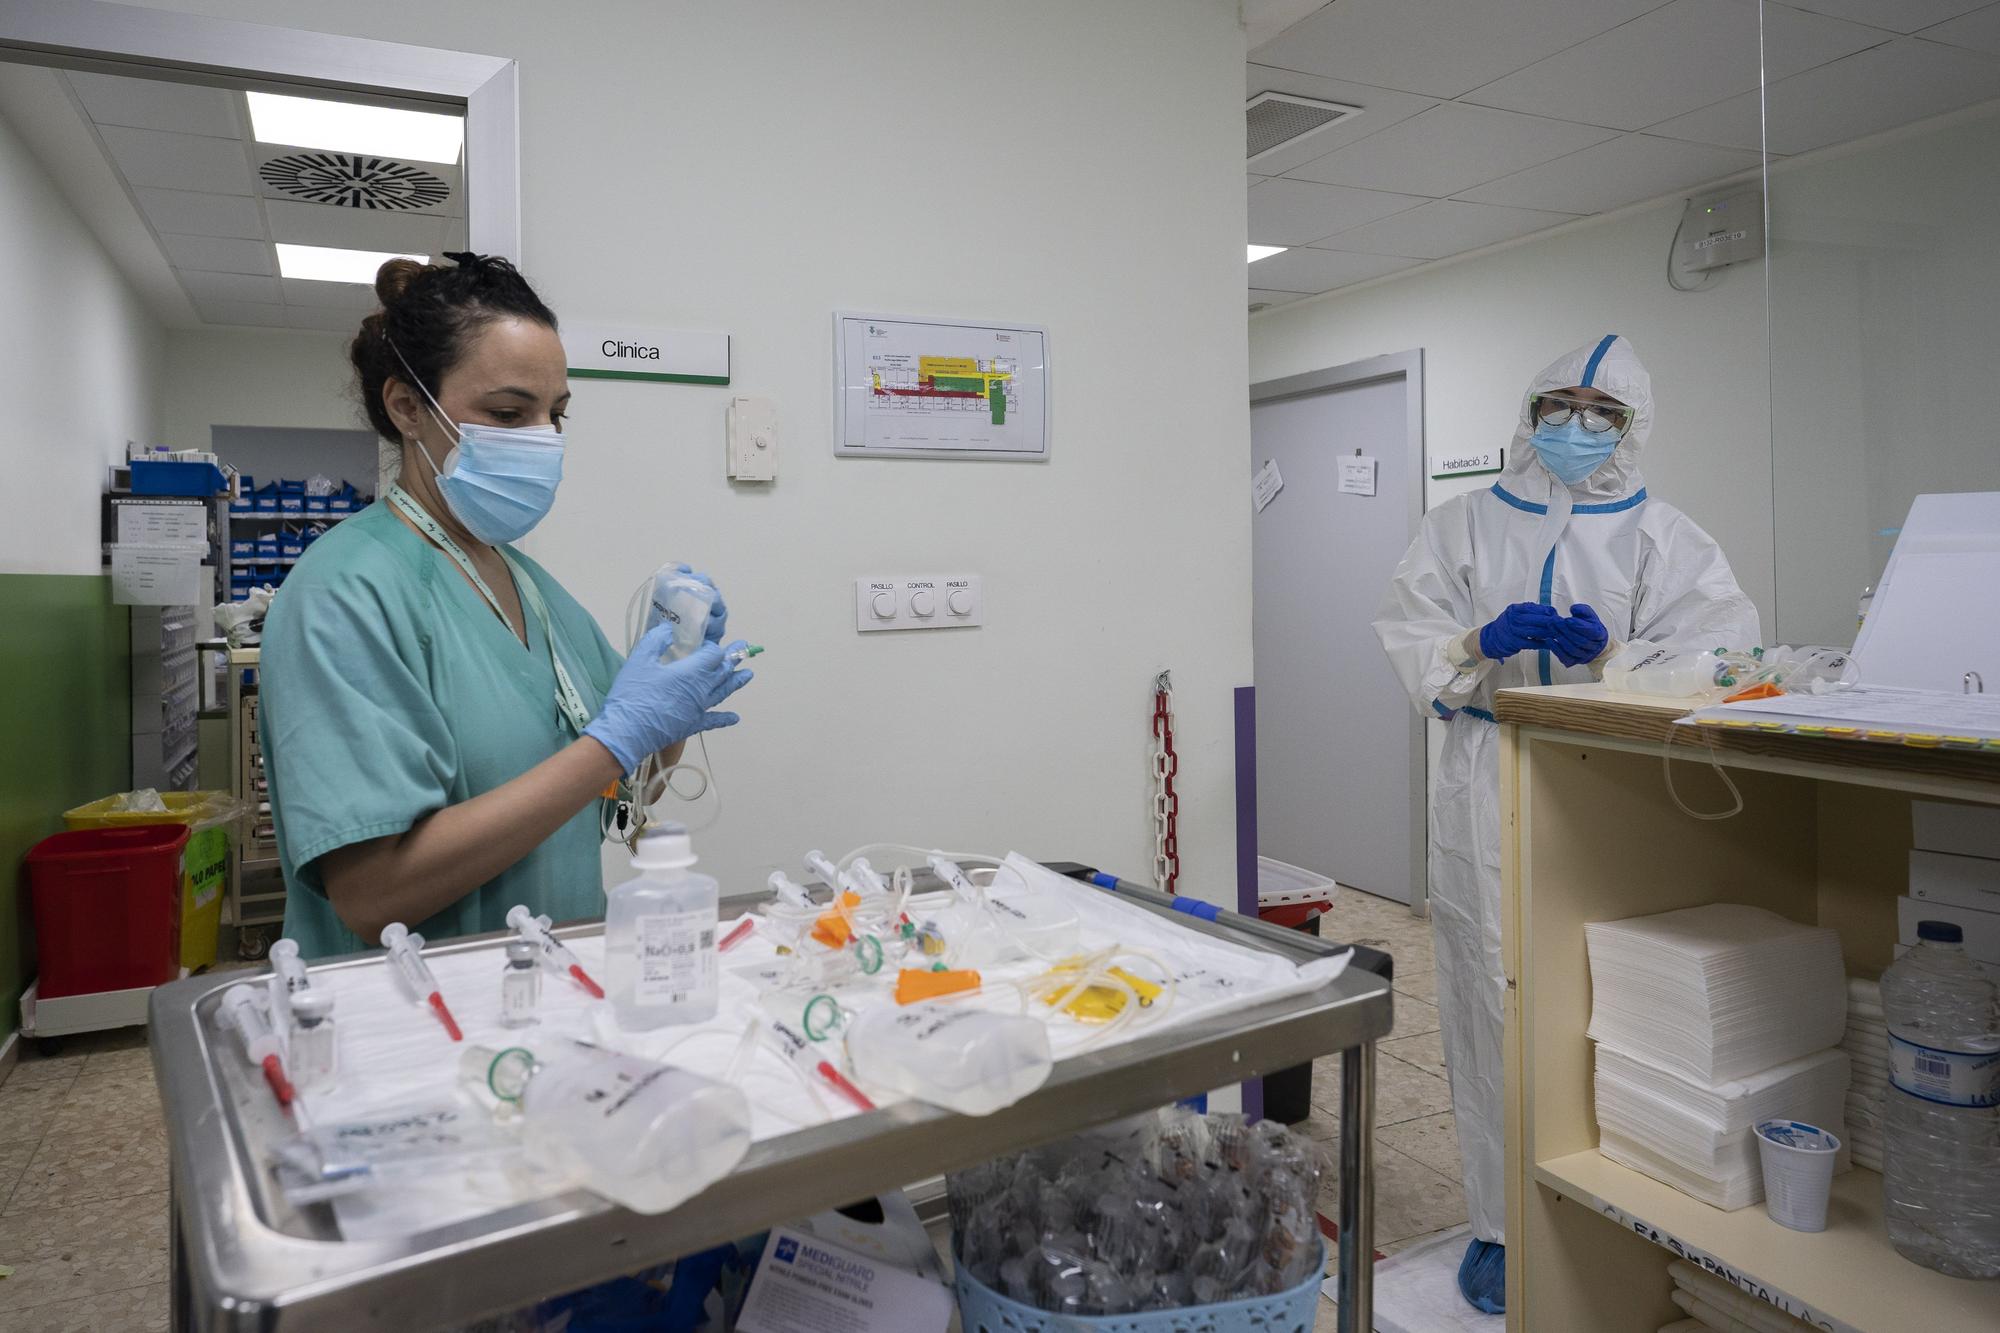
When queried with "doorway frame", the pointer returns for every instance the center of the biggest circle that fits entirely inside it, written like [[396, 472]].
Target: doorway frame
[[137, 42], [1408, 367]]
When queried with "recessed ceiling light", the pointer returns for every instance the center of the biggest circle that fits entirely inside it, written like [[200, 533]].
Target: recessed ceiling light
[[1258, 252], [345, 127], [324, 263]]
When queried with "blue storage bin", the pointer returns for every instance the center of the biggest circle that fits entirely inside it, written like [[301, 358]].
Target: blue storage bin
[[291, 546], [239, 592], [316, 504], [242, 546], [267, 498], [176, 478], [246, 503], [981, 1310], [267, 546]]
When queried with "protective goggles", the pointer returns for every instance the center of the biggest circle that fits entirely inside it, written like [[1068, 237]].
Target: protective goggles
[[1554, 409]]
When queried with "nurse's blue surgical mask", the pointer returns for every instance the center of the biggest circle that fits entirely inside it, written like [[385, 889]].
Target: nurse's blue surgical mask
[[498, 481], [1570, 451]]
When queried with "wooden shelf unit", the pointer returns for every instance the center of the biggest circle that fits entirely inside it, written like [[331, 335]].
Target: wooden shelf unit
[[1590, 833]]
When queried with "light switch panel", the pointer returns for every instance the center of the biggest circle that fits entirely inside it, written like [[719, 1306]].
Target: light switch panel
[[918, 601]]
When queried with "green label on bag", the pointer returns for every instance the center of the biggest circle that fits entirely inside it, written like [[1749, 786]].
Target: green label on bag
[[204, 865]]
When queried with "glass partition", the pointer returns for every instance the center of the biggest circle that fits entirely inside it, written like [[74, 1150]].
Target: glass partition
[[1883, 184]]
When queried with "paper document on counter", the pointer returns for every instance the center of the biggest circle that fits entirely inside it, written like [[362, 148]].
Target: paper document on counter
[[808, 1285], [1901, 714]]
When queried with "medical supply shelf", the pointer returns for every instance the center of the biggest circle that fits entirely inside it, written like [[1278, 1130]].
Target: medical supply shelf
[[1590, 833], [243, 1259], [256, 885]]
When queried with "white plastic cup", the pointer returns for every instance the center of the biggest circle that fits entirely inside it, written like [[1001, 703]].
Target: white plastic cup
[[1798, 1172]]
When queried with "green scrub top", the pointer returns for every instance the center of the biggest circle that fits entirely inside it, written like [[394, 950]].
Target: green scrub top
[[390, 690]]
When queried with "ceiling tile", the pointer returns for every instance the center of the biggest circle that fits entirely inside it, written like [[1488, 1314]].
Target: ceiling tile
[[1304, 270], [1380, 108], [1270, 300], [1979, 32], [240, 312], [1849, 99], [1289, 212], [354, 228], [193, 214], [220, 254], [1444, 227], [1448, 149], [350, 298], [1895, 15], [1612, 175], [1672, 61], [1439, 48], [318, 317], [163, 160], [236, 287], [155, 104]]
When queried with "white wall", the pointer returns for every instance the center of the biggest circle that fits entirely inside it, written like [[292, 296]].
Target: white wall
[[754, 166], [1488, 323], [83, 364], [257, 377]]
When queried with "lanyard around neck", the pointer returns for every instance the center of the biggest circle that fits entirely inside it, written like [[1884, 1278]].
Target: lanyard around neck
[[569, 703]]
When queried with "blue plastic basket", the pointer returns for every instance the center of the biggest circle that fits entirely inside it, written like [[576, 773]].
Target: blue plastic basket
[[981, 1310]]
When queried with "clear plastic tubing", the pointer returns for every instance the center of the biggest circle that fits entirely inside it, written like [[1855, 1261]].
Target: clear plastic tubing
[[1941, 1114]]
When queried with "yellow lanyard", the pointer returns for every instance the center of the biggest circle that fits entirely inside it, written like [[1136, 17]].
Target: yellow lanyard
[[569, 703]]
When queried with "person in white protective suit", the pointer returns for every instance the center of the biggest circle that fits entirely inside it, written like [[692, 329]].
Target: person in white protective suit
[[1535, 581]]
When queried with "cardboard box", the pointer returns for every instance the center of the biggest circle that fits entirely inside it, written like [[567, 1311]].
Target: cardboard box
[[1963, 830], [1982, 929], [1959, 881]]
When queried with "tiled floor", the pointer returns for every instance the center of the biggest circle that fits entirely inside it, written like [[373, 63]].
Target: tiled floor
[[1417, 1192], [83, 1190], [83, 1165]]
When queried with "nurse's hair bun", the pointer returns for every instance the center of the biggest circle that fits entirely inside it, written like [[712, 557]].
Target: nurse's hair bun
[[430, 314]]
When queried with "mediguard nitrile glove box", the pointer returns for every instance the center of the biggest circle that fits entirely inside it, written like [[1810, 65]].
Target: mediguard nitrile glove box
[[1982, 929], [1963, 830], [1960, 881]]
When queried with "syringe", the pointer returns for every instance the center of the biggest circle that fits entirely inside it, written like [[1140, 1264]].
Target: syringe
[[809, 1058], [743, 654], [949, 872], [406, 955], [242, 1012], [555, 955], [793, 895]]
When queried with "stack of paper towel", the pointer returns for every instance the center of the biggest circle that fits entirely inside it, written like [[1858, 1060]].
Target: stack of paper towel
[[1708, 1020], [1713, 1306], [1867, 1047]]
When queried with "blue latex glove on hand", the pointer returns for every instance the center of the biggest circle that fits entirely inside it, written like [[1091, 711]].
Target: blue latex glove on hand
[[1521, 626], [654, 704], [1581, 637], [718, 612]]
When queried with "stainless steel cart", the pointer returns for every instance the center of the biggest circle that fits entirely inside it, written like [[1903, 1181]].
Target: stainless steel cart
[[244, 1259]]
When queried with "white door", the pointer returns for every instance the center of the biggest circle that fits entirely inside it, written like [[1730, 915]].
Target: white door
[[1340, 767]]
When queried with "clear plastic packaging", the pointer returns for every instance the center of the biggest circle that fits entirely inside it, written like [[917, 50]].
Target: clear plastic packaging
[[1649, 669], [1941, 1114], [642, 1134], [962, 1058]]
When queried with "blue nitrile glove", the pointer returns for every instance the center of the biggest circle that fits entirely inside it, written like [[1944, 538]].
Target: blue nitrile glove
[[1521, 626], [1581, 637], [654, 704], [718, 611]]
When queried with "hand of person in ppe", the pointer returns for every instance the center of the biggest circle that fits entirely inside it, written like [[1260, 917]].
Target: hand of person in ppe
[[718, 612], [1521, 626], [1580, 637], [655, 704]]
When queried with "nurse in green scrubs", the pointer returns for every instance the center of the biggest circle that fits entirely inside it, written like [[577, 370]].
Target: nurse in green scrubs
[[440, 718]]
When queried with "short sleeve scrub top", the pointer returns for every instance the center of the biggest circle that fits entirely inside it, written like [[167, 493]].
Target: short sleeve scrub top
[[389, 689]]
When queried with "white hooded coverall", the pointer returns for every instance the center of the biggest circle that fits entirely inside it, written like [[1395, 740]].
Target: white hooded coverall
[[1651, 574]]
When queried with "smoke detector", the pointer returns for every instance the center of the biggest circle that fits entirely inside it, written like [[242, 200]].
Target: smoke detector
[[354, 180], [1281, 120]]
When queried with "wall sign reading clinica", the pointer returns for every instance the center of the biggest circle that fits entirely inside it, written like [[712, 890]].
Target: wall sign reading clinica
[[664, 356]]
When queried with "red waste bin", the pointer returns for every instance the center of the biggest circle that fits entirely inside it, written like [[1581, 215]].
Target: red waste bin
[[107, 906]]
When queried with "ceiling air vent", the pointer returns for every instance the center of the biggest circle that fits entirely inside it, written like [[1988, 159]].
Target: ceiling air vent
[[1279, 120], [354, 180]]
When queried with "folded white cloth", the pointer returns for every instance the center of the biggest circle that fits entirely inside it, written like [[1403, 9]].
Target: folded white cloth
[[1718, 992]]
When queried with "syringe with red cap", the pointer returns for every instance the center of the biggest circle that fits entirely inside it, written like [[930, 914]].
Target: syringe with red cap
[[406, 955], [243, 1011], [555, 955]]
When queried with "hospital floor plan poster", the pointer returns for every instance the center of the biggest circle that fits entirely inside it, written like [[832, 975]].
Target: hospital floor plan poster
[[940, 389]]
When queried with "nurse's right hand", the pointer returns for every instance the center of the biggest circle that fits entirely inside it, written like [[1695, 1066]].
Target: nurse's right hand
[[1521, 626], [655, 704]]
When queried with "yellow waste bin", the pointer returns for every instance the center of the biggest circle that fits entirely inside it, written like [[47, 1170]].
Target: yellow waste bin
[[204, 865]]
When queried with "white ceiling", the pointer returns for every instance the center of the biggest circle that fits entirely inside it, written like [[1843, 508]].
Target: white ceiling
[[188, 172], [1483, 122]]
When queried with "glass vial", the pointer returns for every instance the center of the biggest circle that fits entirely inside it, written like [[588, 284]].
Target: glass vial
[[315, 1049], [520, 985]]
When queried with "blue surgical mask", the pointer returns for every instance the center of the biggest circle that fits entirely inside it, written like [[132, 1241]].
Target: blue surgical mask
[[1570, 452], [498, 481]]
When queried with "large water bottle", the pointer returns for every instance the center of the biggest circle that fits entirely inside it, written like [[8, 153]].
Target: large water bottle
[[1941, 1122]]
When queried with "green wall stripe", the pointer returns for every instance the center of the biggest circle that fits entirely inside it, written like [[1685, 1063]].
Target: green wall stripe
[[646, 375]]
